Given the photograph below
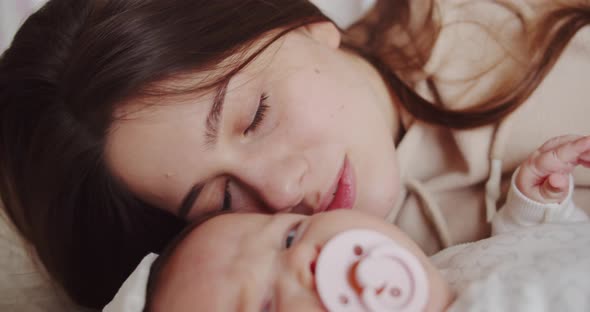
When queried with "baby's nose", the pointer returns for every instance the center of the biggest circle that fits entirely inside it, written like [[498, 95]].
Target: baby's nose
[[301, 260], [363, 270]]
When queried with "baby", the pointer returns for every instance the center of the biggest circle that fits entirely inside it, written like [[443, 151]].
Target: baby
[[348, 261]]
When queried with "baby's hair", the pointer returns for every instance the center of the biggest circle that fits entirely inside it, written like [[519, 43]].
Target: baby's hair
[[155, 277]]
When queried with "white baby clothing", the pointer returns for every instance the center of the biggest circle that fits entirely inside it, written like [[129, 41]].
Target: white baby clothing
[[537, 260]]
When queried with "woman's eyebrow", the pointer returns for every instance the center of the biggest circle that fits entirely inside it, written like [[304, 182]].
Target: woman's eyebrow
[[214, 116]]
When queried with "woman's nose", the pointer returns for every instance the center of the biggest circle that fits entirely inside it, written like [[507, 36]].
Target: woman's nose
[[278, 181]]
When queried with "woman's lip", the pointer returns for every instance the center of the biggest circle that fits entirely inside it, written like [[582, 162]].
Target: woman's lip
[[343, 193]]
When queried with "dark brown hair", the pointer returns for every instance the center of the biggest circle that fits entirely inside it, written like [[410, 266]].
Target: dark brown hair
[[68, 67], [73, 61]]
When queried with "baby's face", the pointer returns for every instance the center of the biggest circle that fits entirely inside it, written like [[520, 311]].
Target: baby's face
[[256, 262]]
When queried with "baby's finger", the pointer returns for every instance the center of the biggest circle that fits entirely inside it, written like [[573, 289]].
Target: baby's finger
[[555, 187], [558, 156], [557, 141], [563, 158], [558, 181]]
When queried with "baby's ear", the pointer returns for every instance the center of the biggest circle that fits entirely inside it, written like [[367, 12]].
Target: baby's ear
[[325, 33]]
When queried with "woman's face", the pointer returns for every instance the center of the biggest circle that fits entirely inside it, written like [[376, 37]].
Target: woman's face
[[257, 262], [306, 127]]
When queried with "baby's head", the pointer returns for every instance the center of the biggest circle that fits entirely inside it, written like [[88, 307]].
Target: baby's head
[[256, 262]]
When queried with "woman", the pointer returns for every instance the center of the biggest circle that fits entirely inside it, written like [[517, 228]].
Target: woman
[[121, 120]]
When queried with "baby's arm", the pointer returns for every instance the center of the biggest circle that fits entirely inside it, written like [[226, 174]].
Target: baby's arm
[[541, 189]]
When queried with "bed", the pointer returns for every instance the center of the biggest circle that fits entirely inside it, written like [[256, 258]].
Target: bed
[[23, 284]]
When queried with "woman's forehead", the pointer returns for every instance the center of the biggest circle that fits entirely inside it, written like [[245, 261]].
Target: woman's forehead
[[165, 95], [198, 85]]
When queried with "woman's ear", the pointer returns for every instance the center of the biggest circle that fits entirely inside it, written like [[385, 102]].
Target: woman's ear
[[324, 33]]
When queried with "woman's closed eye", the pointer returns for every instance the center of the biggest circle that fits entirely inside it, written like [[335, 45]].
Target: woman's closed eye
[[260, 114], [261, 110], [227, 199]]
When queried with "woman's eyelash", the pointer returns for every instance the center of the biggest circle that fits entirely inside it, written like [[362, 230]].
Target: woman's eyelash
[[260, 114], [226, 205]]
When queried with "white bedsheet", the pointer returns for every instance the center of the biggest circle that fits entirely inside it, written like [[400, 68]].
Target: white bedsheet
[[12, 14]]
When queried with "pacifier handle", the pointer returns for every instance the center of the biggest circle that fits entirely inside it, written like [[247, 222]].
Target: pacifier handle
[[363, 270]]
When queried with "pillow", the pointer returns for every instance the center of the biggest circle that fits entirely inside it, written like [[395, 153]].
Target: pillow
[[12, 15], [344, 12], [24, 286]]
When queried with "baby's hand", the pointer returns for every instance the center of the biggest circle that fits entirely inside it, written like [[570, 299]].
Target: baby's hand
[[544, 176]]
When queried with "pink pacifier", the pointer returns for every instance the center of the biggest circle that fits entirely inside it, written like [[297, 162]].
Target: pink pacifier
[[363, 270]]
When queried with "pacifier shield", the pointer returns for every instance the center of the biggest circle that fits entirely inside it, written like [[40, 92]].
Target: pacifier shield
[[363, 270]]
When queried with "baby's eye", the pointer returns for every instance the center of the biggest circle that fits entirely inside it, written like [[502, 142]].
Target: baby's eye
[[291, 234], [290, 237]]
